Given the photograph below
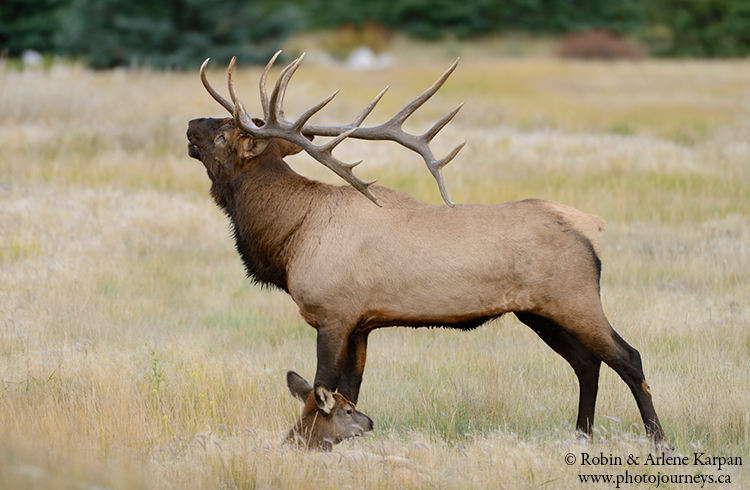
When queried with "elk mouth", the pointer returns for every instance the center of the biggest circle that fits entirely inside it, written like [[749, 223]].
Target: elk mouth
[[193, 151], [193, 134]]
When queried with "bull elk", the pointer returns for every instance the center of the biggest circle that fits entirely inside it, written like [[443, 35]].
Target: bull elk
[[352, 267]]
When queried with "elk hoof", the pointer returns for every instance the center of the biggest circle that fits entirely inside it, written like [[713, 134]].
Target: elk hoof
[[324, 399]]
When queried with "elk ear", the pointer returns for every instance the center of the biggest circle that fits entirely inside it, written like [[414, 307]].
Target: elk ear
[[252, 147], [300, 388], [287, 148]]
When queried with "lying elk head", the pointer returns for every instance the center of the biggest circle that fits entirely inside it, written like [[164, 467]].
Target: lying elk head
[[241, 138], [316, 429]]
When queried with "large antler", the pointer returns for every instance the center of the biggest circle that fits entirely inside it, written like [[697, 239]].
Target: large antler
[[277, 127]]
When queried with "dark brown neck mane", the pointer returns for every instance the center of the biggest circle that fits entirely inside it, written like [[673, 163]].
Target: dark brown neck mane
[[267, 204]]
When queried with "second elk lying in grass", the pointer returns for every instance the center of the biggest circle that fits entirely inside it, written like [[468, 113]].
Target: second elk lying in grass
[[317, 429], [352, 267]]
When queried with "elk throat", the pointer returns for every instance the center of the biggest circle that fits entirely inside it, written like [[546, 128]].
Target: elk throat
[[267, 210]]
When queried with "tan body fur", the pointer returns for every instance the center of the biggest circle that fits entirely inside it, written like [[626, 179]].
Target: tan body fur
[[454, 264]]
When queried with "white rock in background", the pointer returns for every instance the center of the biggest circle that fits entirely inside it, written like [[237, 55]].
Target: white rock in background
[[362, 58], [32, 58], [320, 58]]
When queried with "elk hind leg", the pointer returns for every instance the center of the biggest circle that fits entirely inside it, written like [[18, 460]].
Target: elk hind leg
[[629, 367], [584, 363], [598, 336]]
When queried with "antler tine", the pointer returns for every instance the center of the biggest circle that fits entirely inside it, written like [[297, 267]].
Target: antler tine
[[275, 112], [435, 129], [367, 110], [324, 154], [363, 133], [245, 122], [436, 167], [218, 98], [241, 118], [285, 83], [328, 147], [344, 170], [230, 80], [439, 164], [300, 122], [263, 94], [415, 104]]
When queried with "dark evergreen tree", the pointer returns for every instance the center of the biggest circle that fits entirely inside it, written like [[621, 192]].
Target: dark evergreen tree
[[173, 33], [181, 33], [432, 18], [704, 28], [28, 24]]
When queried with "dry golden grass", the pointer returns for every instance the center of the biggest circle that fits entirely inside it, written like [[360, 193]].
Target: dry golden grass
[[135, 354]]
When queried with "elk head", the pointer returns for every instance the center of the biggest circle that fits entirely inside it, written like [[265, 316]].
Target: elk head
[[225, 151], [316, 429], [225, 145]]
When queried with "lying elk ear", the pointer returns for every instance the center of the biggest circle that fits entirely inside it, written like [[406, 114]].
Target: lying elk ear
[[300, 388]]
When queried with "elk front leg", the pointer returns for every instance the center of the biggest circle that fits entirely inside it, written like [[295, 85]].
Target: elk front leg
[[332, 346], [354, 367]]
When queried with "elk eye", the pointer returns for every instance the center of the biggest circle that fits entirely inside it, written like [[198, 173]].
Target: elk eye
[[220, 140], [349, 412]]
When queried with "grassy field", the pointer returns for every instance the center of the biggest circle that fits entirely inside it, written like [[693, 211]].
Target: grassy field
[[135, 354]]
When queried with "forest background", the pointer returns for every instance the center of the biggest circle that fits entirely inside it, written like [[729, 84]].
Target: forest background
[[176, 33]]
